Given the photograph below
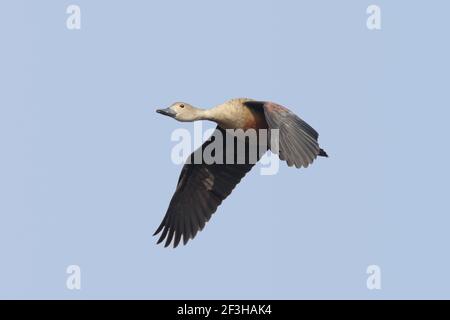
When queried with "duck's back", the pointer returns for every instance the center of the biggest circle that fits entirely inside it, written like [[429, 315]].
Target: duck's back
[[236, 114]]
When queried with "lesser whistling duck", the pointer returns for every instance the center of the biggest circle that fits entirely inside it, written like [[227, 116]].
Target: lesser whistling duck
[[202, 187]]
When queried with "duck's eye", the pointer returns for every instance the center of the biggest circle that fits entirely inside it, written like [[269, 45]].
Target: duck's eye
[[181, 105]]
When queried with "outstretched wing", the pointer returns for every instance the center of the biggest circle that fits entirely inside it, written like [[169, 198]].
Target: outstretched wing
[[297, 142], [200, 190]]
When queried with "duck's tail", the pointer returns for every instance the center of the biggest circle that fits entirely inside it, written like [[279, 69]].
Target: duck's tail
[[322, 153]]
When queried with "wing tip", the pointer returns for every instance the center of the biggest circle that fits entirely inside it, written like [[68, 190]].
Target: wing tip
[[175, 240]]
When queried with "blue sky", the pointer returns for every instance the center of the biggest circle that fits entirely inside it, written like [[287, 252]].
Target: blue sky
[[86, 175]]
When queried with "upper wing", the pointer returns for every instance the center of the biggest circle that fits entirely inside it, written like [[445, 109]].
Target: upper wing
[[298, 143], [200, 190]]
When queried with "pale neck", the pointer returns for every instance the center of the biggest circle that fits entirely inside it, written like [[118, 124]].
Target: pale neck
[[205, 114]]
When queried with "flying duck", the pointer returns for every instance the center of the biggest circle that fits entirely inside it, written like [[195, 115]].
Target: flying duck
[[202, 186]]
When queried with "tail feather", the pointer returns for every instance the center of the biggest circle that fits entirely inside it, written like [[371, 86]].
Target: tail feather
[[322, 153]]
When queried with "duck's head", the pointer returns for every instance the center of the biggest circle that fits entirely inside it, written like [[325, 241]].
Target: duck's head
[[181, 111]]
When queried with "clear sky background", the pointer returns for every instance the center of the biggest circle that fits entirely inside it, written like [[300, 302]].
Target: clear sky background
[[86, 174]]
